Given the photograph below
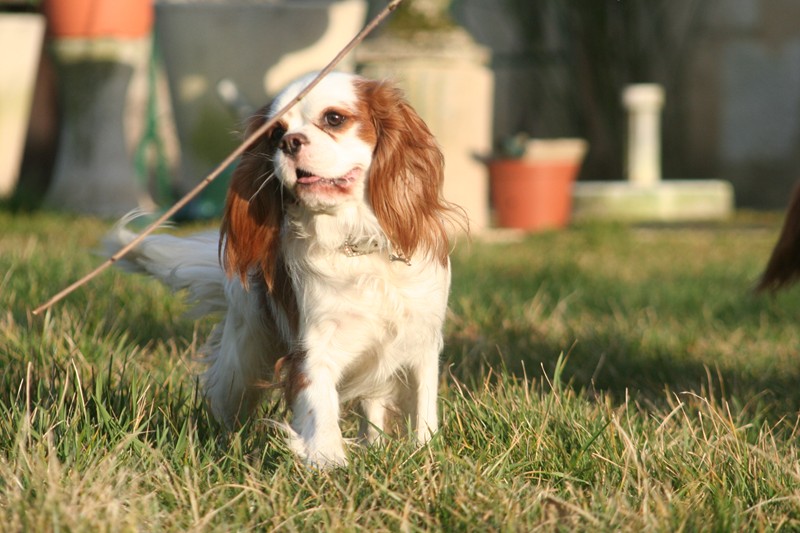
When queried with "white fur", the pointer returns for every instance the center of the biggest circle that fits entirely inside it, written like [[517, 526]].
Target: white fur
[[370, 325], [371, 330], [236, 351]]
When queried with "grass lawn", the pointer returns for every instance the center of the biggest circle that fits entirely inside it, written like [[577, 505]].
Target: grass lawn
[[601, 378]]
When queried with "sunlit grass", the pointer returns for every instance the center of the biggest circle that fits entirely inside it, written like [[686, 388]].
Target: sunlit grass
[[601, 378]]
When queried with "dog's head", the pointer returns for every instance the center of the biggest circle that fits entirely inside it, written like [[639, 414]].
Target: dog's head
[[323, 147], [349, 140]]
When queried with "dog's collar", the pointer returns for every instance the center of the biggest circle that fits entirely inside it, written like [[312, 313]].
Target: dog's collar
[[352, 248]]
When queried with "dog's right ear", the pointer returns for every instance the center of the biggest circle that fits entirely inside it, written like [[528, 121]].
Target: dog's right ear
[[783, 267], [251, 222]]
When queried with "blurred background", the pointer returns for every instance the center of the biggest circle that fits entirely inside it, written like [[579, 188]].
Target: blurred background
[[134, 101], [730, 69]]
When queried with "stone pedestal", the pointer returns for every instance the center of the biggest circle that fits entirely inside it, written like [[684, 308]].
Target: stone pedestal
[[670, 201], [445, 78], [644, 196], [94, 170]]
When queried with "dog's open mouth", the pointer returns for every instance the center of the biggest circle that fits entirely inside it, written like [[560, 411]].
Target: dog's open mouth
[[305, 177]]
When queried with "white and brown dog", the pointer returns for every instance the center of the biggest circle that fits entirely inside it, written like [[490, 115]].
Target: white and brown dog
[[331, 270]]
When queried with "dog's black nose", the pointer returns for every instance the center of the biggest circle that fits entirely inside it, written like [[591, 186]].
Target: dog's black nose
[[291, 144]]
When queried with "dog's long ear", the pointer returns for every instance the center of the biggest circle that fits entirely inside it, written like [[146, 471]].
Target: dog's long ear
[[251, 222], [783, 267], [407, 174]]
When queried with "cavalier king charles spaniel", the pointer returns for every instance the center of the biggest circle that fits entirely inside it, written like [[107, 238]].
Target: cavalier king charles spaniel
[[330, 272]]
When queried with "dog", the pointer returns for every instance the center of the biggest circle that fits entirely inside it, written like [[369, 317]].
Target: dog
[[783, 267], [331, 269]]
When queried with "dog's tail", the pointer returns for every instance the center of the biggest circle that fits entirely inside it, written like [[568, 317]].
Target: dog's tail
[[182, 263], [783, 267]]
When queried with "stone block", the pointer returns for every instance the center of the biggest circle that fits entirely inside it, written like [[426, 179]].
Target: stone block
[[669, 201]]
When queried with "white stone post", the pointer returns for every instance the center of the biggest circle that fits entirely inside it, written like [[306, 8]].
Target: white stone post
[[643, 103]]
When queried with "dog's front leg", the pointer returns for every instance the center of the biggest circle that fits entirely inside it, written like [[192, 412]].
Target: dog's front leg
[[315, 410], [426, 421]]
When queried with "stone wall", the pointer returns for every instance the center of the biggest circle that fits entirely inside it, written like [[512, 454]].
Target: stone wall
[[744, 89], [732, 105]]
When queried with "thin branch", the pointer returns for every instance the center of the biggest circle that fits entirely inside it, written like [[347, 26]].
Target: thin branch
[[227, 162]]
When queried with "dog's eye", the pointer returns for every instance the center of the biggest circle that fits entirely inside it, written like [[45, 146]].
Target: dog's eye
[[277, 134], [334, 119]]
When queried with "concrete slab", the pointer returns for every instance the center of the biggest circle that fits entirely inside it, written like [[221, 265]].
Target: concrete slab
[[667, 201]]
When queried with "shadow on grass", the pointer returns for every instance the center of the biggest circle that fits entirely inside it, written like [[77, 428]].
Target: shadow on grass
[[680, 328], [706, 334], [684, 332], [79, 406], [618, 369]]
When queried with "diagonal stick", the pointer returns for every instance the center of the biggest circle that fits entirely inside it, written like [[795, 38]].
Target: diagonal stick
[[228, 160]]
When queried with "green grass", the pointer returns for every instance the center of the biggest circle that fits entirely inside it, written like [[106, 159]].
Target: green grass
[[600, 378]]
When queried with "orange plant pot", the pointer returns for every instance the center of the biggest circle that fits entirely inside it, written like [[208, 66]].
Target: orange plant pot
[[532, 195], [98, 18]]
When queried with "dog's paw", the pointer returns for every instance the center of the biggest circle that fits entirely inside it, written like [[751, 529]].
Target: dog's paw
[[323, 454]]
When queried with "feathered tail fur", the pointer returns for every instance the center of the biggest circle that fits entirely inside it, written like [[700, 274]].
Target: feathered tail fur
[[244, 347], [182, 263]]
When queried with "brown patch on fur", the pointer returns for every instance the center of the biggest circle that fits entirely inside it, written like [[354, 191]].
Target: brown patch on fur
[[366, 128], [336, 131], [251, 222], [289, 375], [407, 174], [783, 267], [283, 293]]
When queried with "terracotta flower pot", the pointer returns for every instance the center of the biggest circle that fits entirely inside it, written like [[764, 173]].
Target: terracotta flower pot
[[532, 195], [534, 192], [98, 18]]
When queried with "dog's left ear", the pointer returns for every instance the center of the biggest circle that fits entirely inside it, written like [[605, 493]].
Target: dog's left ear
[[251, 222], [407, 175]]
